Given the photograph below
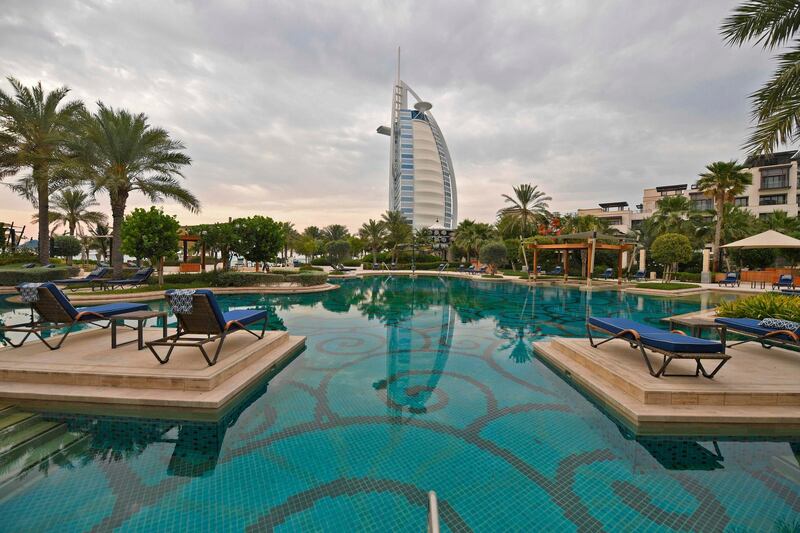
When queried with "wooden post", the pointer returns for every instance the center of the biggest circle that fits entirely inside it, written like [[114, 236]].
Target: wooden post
[[619, 266], [185, 251], [564, 261], [535, 263], [202, 257], [590, 263]]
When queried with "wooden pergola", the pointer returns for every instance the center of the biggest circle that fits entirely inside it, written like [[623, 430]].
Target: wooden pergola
[[589, 243], [185, 266]]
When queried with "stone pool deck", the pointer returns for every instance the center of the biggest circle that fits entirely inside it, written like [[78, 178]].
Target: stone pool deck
[[756, 392], [85, 370]]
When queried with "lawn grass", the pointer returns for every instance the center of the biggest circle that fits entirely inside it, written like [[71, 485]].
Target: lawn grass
[[672, 286], [145, 288]]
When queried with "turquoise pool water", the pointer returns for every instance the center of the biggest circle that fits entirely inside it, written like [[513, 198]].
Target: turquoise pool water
[[408, 386]]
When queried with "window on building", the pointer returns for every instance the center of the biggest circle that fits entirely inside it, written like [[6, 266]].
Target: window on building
[[772, 199], [701, 202], [741, 201], [775, 178], [614, 221]]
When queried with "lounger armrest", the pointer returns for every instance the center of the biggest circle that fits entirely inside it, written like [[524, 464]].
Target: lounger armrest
[[632, 332], [231, 323], [786, 332], [82, 314], [679, 332]]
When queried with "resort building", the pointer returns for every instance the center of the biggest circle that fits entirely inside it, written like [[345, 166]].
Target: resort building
[[422, 184], [774, 188]]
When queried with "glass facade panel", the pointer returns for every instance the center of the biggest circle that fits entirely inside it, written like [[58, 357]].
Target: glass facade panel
[[772, 199]]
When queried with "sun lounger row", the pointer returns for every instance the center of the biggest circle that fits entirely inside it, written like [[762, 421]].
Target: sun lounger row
[[200, 319]]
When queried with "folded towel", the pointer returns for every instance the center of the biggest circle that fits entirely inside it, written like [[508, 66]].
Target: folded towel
[[29, 292], [180, 300], [777, 323]]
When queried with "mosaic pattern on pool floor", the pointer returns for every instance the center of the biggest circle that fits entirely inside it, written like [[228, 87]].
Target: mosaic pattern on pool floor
[[408, 386]]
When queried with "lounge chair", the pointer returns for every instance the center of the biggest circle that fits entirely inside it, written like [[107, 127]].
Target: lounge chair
[[340, 267], [672, 345], [731, 278], [93, 276], [139, 277], [29, 265], [640, 275], [55, 312], [608, 273], [752, 330], [481, 270], [557, 271], [786, 281], [49, 265], [442, 267], [200, 321]]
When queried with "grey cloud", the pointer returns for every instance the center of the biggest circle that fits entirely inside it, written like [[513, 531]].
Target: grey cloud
[[277, 101]]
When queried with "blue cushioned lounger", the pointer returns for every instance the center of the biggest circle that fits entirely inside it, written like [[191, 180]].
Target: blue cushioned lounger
[[206, 321], [731, 278], [786, 281], [768, 337], [93, 276], [672, 345], [55, 312], [139, 277], [608, 273]]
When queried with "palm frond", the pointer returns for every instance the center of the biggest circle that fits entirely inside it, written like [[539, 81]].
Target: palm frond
[[771, 22]]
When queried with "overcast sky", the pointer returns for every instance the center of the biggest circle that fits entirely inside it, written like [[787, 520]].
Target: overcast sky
[[277, 102]]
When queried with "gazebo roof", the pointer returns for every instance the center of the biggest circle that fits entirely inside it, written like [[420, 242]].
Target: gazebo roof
[[767, 239]]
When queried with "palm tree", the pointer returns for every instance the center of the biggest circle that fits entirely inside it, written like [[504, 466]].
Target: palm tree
[[528, 206], [290, 238], [671, 214], [34, 129], [121, 153], [398, 230], [781, 221], [335, 232], [373, 233], [723, 181], [471, 235], [776, 106], [72, 209], [100, 239]]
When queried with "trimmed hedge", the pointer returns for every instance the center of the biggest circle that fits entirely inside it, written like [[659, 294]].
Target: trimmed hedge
[[246, 279], [308, 279], [691, 277], [406, 266], [20, 257], [311, 268], [16, 276], [284, 270]]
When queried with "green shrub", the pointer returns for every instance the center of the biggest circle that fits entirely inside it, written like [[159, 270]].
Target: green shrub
[[247, 279], [666, 286], [352, 262], [283, 270], [20, 256], [308, 279], [767, 305], [209, 278], [321, 261], [494, 254], [311, 268], [66, 246], [15, 276], [691, 277]]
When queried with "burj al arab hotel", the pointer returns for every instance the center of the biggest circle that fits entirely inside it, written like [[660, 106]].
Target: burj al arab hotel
[[422, 185]]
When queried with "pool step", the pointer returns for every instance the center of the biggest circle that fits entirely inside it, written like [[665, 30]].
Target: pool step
[[28, 444]]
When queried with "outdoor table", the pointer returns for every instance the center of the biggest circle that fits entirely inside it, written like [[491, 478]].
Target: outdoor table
[[141, 317], [754, 283], [697, 324]]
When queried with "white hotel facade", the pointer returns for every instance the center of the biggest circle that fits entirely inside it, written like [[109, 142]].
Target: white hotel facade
[[422, 184]]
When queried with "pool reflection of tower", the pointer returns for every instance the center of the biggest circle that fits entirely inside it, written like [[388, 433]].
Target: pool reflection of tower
[[412, 371]]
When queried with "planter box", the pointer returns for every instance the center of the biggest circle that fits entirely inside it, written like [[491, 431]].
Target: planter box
[[189, 267]]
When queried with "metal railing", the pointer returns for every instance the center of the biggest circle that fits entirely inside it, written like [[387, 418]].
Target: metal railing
[[433, 513]]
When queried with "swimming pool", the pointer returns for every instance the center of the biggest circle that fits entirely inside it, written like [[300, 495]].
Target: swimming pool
[[410, 385]]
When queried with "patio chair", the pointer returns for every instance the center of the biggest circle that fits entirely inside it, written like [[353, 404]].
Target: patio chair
[[340, 267], [671, 345], [55, 312], [755, 330], [608, 273], [640, 275], [786, 281], [201, 321], [139, 277], [29, 265], [93, 276], [731, 278], [557, 271]]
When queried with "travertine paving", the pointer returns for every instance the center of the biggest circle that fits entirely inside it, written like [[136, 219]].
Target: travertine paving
[[756, 388], [86, 369]]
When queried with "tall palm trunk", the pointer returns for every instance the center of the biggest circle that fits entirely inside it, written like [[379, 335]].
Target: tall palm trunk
[[43, 197], [718, 232], [118, 203]]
